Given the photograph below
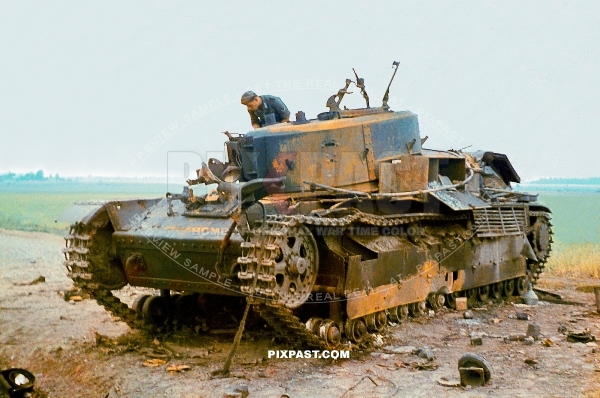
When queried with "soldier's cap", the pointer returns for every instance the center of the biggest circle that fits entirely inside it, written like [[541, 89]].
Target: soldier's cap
[[248, 96]]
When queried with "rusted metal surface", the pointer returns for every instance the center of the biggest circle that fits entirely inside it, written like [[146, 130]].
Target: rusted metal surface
[[500, 221], [368, 154], [123, 213], [458, 200], [349, 207], [408, 173]]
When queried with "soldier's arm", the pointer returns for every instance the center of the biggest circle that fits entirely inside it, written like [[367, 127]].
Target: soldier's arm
[[254, 120], [282, 110]]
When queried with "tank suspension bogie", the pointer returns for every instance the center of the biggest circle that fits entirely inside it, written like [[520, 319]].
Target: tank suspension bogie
[[417, 309], [376, 321], [521, 285], [471, 296], [329, 331], [451, 299], [509, 287], [356, 330], [398, 314], [496, 290], [156, 310], [436, 301], [185, 308], [483, 293]]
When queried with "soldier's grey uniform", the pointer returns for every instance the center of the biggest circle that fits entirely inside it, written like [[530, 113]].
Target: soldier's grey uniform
[[272, 111]]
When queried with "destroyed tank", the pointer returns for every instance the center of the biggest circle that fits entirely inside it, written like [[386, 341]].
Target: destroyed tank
[[328, 227]]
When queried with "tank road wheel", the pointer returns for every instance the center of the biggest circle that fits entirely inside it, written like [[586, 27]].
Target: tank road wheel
[[185, 308], [521, 285], [398, 314], [330, 333], [156, 310], [173, 299], [436, 301], [471, 297], [314, 324], [496, 290], [417, 310], [509, 287], [483, 293], [356, 329], [377, 321], [138, 304], [451, 299]]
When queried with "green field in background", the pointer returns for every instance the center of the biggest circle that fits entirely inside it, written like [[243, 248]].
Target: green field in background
[[34, 207], [575, 216]]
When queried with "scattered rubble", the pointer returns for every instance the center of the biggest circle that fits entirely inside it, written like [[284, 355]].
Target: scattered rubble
[[534, 330]]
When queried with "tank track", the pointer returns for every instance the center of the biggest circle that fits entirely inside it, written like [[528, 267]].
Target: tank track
[[80, 244], [80, 247], [287, 325], [258, 277], [539, 266], [370, 219]]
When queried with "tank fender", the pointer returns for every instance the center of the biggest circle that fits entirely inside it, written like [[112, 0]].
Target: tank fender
[[123, 214], [538, 207], [82, 212]]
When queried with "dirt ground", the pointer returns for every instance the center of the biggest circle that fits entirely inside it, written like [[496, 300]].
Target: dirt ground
[[78, 349]]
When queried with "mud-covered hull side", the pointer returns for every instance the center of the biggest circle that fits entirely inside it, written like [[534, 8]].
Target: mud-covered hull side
[[182, 257], [180, 253], [417, 273]]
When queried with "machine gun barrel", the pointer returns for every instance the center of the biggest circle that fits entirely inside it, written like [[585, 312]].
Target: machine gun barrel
[[387, 92]]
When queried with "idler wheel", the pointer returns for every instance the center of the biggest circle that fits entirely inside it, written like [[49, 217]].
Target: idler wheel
[[417, 310], [138, 303], [483, 293], [451, 299], [330, 332], [509, 287], [496, 290], [471, 297], [398, 314], [156, 310], [436, 301], [356, 329], [541, 239], [377, 321], [521, 285]]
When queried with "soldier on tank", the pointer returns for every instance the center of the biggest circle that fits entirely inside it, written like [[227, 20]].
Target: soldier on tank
[[265, 110]]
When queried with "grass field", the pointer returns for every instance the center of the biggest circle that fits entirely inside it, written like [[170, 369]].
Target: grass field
[[35, 207], [576, 228]]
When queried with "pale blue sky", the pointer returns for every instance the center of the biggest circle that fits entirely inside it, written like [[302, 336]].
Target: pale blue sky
[[86, 87]]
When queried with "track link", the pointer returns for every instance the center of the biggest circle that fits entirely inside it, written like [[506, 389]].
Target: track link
[[538, 267], [82, 247]]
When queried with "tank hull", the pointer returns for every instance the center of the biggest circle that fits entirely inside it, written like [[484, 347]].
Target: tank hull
[[367, 227]]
